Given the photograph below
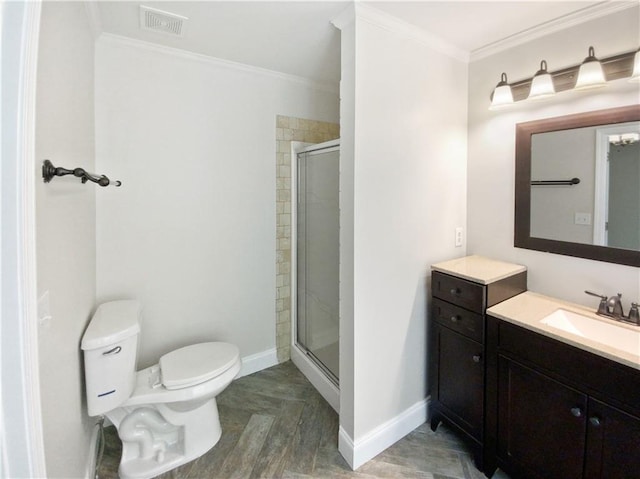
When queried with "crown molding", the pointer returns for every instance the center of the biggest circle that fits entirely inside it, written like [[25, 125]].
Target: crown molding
[[389, 22], [330, 87], [581, 16], [345, 18]]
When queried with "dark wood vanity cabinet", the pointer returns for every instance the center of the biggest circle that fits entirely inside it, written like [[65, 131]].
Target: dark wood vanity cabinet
[[460, 383], [541, 424], [457, 362], [556, 411], [613, 446]]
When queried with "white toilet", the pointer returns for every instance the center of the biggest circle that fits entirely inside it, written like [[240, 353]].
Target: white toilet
[[166, 415]]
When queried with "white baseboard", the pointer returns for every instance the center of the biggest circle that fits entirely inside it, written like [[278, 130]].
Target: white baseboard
[[326, 388], [356, 453], [346, 448], [258, 362]]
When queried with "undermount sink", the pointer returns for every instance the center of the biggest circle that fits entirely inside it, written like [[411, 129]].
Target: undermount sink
[[601, 332]]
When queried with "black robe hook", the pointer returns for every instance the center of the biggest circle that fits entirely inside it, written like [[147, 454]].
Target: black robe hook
[[49, 171]]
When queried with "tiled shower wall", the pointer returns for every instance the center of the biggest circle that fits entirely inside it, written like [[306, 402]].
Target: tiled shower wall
[[290, 129]]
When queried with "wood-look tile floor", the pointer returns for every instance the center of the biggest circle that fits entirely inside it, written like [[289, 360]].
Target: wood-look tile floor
[[276, 425]]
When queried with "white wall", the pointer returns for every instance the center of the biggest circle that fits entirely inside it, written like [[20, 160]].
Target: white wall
[[408, 194], [347, 170], [65, 211], [191, 232], [562, 155], [490, 200]]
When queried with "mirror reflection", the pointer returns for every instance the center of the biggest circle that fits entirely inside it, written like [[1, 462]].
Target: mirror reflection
[[585, 185], [577, 185]]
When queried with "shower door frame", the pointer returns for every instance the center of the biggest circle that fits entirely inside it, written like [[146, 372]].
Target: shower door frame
[[315, 372]]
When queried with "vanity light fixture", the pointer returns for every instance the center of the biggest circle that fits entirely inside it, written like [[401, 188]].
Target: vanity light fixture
[[502, 95], [590, 74], [635, 76], [542, 84], [586, 75]]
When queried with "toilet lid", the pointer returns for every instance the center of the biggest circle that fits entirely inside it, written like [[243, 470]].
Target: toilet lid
[[197, 363]]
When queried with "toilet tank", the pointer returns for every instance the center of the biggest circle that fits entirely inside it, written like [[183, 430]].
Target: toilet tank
[[110, 346]]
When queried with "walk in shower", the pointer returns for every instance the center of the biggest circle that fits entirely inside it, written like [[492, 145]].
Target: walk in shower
[[316, 278]]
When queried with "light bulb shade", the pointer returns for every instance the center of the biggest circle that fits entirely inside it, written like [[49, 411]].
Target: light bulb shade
[[542, 84], [635, 76], [502, 95], [590, 74]]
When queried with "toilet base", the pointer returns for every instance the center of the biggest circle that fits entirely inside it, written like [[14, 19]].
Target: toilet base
[[148, 468], [156, 438]]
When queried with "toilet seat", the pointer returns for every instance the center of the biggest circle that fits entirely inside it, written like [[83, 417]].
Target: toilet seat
[[196, 364]]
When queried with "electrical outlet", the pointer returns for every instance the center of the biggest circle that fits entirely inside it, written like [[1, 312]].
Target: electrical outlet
[[459, 236]]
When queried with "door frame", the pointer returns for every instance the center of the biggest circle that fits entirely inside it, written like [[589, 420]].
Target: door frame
[[601, 180], [21, 435], [327, 389], [297, 148]]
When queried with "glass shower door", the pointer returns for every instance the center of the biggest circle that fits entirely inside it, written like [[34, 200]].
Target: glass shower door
[[318, 223]]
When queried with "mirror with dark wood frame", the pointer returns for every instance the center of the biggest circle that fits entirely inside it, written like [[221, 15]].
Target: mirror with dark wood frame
[[527, 134]]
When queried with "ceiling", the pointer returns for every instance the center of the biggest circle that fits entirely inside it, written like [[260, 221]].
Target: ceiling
[[297, 37], [471, 25]]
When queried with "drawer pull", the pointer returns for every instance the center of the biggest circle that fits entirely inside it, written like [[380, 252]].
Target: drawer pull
[[476, 358], [576, 411], [454, 319], [595, 420], [455, 291]]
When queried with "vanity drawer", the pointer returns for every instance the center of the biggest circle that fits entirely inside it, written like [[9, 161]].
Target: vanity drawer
[[459, 291], [459, 319]]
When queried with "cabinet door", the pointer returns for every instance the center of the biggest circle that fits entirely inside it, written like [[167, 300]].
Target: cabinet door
[[541, 423], [461, 379], [613, 443]]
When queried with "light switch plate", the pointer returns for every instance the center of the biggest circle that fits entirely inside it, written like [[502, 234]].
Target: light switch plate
[[582, 219]]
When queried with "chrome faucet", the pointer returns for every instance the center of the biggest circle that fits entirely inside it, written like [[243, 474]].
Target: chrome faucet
[[612, 308]]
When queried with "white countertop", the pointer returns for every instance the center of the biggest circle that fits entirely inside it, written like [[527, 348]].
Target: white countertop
[[528, 309], [478, 269]]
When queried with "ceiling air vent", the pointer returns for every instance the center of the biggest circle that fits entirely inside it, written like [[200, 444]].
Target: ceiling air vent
[[159, 21]]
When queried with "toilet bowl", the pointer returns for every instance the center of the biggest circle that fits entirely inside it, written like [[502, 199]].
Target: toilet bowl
[[166, 415]]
